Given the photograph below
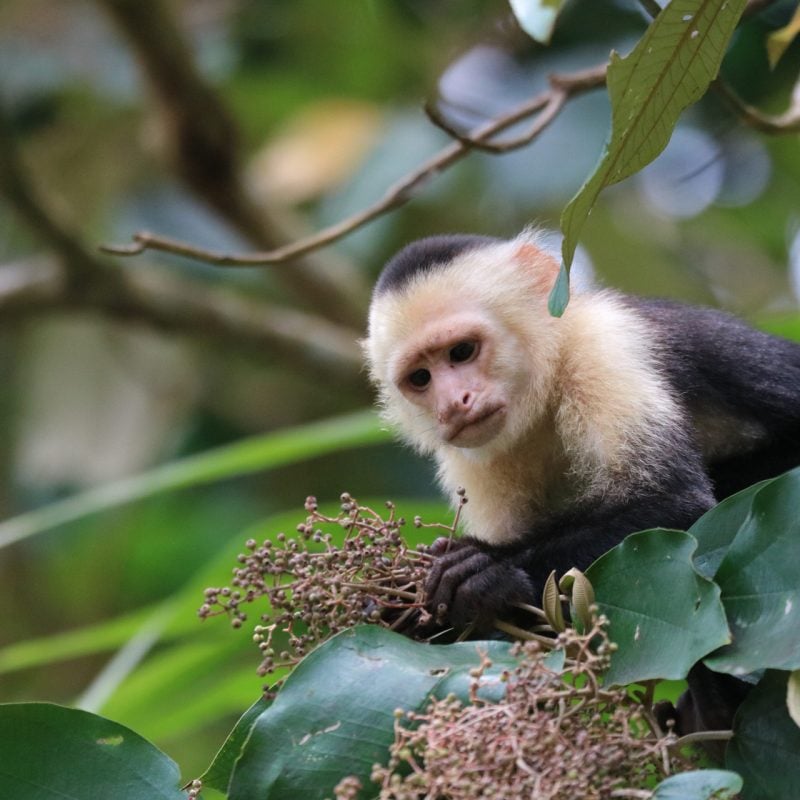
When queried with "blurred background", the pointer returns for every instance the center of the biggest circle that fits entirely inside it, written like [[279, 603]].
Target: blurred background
[[241, 125]]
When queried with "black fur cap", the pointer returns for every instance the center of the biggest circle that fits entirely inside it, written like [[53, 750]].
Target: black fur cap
[[425, 255]]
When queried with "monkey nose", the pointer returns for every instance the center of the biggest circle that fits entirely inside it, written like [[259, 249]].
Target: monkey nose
[[456, 407]]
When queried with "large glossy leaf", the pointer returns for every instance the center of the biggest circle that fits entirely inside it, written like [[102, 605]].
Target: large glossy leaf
[[335, 715], [663, 616], [250, 455], [765, 749], [703, 784], [49, 752], [669, 69], [218, 775], [717, 528], [759, 578]]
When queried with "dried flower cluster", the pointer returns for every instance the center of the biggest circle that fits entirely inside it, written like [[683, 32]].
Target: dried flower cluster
[[316, 587], [551, 738]]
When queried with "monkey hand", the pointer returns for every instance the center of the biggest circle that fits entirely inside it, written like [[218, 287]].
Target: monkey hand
[[472, 584]]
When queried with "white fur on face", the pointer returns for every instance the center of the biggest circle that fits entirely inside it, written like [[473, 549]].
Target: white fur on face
[[587, 406], [492, 288]]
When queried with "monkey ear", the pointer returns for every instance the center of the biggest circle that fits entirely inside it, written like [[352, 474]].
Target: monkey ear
[[541, 268]]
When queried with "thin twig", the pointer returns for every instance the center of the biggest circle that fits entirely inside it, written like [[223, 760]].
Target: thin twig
[[553, 103], [702, 736], [390, 590], [570, 85], [529, 607], [547, 104], [201, 141], [646, 703], [78, 279], [788, 122], [521, 633], [754, 6]]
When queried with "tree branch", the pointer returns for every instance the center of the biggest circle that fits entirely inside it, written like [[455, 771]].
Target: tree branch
[[788, 122], [160, 300], [702, 736], [547, 104], [80, 264], [550, 103], [202, 142], [78, 280], [553, 104], [230, 319]]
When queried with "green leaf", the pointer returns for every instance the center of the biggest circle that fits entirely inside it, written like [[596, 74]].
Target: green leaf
[[717, 528], [181, 678], [793, 696], [656, 638], [784, 325], [254, 454], [778, 41], [218, 775], [335, 714], [551, 604], [765, 749], [759, 581], [555, 660], [670, 68], [703, 784], [537, 17], [179, 689], [73, 644], [54, 753], [577, 586], [559, 295]]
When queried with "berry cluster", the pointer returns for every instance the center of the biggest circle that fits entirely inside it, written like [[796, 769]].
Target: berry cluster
[[548, 739], [318, 584]]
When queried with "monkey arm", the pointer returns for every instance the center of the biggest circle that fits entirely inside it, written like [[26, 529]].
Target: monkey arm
[[474, 582]]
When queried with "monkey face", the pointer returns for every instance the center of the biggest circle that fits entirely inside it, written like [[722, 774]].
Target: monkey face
[[463, 354], [447, 374]]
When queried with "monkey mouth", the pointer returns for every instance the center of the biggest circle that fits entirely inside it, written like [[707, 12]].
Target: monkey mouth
[[477, 430]]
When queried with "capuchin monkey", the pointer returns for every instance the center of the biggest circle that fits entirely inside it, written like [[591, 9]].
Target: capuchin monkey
[[567, 433]]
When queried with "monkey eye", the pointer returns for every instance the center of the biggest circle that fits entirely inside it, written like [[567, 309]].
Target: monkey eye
[[419, 378], [461, 352]]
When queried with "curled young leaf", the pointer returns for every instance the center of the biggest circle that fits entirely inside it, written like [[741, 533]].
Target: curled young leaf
[[582, 595], [793, 696], [551, 604]]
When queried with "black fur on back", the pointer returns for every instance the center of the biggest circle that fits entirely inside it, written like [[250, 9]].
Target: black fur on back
[[721, 366], [425, 255]]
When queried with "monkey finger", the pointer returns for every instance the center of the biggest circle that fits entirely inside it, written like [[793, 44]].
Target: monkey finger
[[488, 594], [452, 576], [446, 562], [447, 544]]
